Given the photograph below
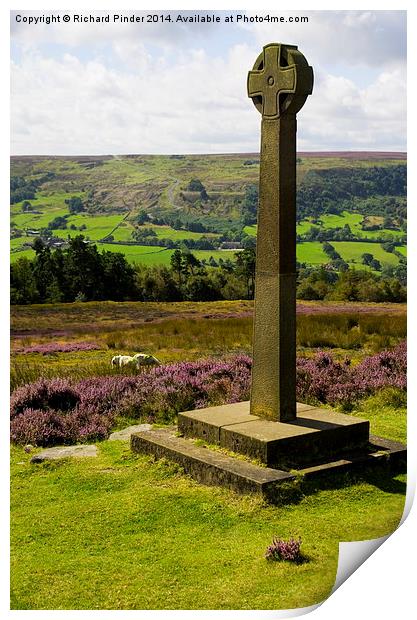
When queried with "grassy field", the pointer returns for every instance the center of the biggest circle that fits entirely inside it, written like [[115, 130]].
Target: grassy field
[[48, 200], [354, 220], [311, 252], [339, 221], [145, 535], [352, 252], [18, 242], [154, 255], [82, 317], [123, 232], [166, 232], [97, 226], [148, 537], [24, 253]]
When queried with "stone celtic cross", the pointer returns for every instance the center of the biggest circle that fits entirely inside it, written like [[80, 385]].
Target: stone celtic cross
[[279, 84]]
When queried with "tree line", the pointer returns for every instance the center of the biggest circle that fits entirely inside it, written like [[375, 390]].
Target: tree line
[[336, 189], [22, 188], [82, 273]]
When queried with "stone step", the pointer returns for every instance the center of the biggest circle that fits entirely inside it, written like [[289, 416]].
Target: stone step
[[315, 434], [209, 466], [212, 467], [381, 452]]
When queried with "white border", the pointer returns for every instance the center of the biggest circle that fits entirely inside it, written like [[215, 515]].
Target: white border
[[384, 586]]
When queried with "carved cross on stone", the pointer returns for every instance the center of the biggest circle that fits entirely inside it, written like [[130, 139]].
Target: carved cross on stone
[[279, 84], [270, 81]]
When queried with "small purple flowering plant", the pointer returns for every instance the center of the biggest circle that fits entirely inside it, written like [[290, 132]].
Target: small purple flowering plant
[[49, 348], [284, 550]]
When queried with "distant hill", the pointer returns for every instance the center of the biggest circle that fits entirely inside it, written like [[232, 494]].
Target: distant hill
[[146, 205]]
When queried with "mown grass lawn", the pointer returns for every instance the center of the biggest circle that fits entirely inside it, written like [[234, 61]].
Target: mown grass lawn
[[123, 532]]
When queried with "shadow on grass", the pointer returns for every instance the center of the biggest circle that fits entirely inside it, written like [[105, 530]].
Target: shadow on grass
[[303, 559], [294, 492]]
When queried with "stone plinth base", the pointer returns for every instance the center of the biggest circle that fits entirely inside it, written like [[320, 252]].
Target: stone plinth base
[[212, 467], [318, 442], [315, 435]]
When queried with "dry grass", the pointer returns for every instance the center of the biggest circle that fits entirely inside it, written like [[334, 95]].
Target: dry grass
[[204, 330]]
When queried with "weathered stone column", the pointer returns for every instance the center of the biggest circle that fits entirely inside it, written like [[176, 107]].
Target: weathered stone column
[[279, 84]]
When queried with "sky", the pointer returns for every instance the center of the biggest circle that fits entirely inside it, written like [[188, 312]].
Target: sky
[[174, 87]]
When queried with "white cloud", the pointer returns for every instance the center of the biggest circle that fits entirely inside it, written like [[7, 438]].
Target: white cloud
[[352, 38], [342, 115], [193, 100], [68, 106]]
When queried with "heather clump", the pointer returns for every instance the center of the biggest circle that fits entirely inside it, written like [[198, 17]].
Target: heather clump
[[166, 390], [55, 394], [87, 409], [321, 379], [43, 428], [316, 375], [287, 550], [49, 348]]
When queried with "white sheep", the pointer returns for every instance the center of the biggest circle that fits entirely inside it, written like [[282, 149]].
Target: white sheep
[[144, 359], [122, 360]]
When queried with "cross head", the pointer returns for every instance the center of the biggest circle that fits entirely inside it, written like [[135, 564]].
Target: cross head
[[271, 80]]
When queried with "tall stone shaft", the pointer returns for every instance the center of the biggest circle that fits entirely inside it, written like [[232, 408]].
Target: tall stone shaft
[[278, 84], [274, 337]]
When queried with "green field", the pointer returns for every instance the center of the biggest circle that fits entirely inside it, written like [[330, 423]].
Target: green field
[[144, 254], [303, 227], [36, 221], [98, 226], [311, 252], [339, 221], [154, 255], [166, 232], [17, 243], [354, 220], [352, 252], [251, 230], [123, 232], [22, 254], [51, 204]]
